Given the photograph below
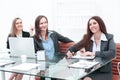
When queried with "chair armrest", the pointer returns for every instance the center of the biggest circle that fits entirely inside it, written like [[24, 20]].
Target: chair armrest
[[64, 46], [118, 64]]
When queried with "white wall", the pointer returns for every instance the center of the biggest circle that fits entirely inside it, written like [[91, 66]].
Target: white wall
[[69, 17], [27, 10], [73, 15]]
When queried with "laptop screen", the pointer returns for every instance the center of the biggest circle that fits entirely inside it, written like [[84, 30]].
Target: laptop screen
[[22, 46]]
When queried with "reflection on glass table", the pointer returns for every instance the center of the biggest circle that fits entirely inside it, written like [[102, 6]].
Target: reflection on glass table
[[57, 68]]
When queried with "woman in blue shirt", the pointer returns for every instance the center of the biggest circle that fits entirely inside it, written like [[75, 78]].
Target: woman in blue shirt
[[97, 42], [47, 40]]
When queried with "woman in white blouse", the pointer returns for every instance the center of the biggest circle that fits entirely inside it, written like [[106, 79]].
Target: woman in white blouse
[[96, 42]]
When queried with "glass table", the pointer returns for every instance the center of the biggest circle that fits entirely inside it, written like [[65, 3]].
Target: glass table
[[56, 68]]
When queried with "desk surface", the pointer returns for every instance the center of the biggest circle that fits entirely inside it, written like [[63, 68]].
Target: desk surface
[[56, 68]]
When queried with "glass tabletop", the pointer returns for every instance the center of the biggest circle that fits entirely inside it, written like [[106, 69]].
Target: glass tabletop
[[56, 68]]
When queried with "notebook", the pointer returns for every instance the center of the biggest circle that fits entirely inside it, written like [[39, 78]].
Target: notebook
[[25, 66], [22, 46]]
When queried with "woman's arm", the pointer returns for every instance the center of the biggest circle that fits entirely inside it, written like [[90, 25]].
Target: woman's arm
[[62, 38]]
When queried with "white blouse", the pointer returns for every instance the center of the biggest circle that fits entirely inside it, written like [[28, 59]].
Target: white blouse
[[97, 47]]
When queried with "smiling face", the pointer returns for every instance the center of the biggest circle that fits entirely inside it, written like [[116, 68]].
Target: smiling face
[[94, 26], [19, 25], [43, 24]]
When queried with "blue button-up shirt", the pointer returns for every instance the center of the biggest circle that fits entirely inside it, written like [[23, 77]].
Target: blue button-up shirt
[[48, 46]]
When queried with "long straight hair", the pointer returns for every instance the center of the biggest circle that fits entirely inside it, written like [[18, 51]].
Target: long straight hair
[[37, 28], [13, 28]]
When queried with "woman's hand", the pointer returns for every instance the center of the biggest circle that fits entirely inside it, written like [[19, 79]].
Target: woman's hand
[[87, 78], [31, 30], [69, 54], [82, 50], [88, 53]]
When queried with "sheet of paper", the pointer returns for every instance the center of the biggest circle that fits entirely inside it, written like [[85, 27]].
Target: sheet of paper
[[6, 62], [78, 55], [83, 57], [83, 64], [25, 66]]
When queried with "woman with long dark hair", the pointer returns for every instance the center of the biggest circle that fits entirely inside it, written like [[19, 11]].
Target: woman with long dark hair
[[47, 40], [96, 42]]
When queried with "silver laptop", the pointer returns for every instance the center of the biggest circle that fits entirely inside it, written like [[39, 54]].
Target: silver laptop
[[22, 46]]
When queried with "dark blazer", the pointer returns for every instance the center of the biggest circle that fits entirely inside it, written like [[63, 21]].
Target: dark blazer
[[108, 50], [24, 34], [56, 37]]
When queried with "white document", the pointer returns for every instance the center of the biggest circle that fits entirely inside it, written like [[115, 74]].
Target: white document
[[83, 64], [6, 62], [83, 57], [78, 55], [25, 66]]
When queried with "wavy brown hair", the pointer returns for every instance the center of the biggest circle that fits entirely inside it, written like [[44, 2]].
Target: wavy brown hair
[[85, 42]]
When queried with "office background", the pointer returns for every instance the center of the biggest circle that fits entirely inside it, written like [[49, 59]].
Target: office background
[[68, 17]]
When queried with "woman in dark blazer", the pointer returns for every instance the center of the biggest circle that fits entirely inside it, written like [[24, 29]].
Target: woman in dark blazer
[[97, 42], [47, 40], [17, 31]]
